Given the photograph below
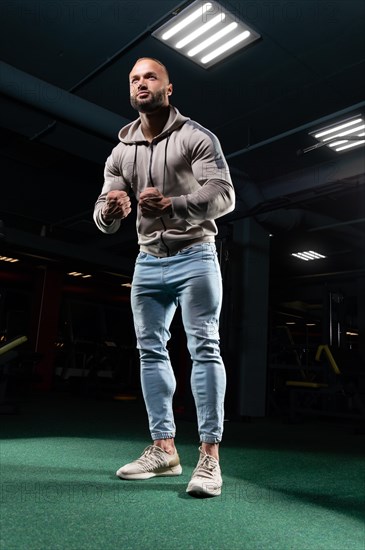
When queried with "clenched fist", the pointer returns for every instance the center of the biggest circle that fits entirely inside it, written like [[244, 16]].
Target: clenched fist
[[117, 206], [153, 204]]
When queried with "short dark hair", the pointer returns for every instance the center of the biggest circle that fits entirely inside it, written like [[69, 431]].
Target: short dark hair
[[156, 61]]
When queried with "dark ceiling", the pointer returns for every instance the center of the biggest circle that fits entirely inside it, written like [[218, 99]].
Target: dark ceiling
[[64, 89]]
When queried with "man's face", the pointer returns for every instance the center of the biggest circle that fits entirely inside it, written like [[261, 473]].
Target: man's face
[[149, 86]]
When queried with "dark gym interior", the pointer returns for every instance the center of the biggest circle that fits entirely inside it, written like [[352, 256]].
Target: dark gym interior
[[292, 330]]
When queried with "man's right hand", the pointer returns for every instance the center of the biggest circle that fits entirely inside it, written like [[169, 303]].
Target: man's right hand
[[117, 206]]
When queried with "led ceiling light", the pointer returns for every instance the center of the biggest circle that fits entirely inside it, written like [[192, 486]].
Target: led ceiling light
[[79, 274], [206, 33], [309, 255], [343, 135], [7, 259]]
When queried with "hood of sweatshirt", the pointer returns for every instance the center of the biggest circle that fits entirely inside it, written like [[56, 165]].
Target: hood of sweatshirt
[[132, 133]]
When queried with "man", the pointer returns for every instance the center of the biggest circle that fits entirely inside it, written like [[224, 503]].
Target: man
[[177, 171]]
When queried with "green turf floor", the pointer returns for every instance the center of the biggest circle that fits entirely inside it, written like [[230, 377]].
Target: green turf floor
[[286, 486]]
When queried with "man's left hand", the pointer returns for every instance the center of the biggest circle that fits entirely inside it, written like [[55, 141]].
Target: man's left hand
[[153, 204]]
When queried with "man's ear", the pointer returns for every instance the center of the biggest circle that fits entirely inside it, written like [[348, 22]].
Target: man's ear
[[169, 89]]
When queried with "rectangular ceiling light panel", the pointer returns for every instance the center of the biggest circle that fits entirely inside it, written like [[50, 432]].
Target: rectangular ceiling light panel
[[206, 33], [308, 255], [343, 135]]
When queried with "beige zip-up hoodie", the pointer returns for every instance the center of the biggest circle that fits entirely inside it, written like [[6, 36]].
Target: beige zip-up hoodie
[[185, 162]]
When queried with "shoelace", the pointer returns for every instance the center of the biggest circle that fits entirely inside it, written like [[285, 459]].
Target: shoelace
[[206, 467], [151, 458]]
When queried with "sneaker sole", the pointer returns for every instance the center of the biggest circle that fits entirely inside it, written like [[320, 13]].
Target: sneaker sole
[[174, 471], [201, 491]]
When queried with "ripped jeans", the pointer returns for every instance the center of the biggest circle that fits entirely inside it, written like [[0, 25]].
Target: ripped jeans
[[192, 279]]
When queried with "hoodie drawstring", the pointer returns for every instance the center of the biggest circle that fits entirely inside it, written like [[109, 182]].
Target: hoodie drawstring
[[134, 161], [165, 164]]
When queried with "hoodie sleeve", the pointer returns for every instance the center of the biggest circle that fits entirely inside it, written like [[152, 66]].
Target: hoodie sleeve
[[216, 196], [113, 181]]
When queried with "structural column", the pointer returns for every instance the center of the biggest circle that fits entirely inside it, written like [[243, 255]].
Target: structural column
[[361, 315], [250, 291], [45, 316]]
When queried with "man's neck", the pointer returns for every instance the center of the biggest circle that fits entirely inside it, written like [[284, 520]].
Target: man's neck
[[152, 124]]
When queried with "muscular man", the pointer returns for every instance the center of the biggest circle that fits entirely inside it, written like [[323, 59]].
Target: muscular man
[[176, 169]]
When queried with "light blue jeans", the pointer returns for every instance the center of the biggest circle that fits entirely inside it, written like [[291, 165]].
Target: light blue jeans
[[192, 279]]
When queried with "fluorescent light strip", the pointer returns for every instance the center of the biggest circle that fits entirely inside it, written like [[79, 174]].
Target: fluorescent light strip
[[316, 255], [338, 128], [198, 32], [209, 41], [215, 53], [300, 256], [352, 144], [336, 143], [346, 133], [185, 22]]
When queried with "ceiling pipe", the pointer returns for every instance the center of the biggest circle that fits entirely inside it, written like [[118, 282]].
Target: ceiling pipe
[[297, 187], [278, 217], [307, 126], [127, 47], [27, 244], [64, 106], [347, 169], [113, 59]]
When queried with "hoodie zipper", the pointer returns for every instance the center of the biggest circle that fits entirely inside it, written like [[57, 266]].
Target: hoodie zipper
[[153, 185]]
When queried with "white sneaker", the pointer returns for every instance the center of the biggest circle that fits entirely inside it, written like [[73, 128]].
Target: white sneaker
[[206, 480], [152, 463]]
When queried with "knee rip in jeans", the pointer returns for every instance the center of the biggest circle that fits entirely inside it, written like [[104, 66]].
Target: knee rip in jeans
[[210, 329]]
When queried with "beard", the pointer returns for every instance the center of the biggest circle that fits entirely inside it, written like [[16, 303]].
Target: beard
[[149, 104]]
